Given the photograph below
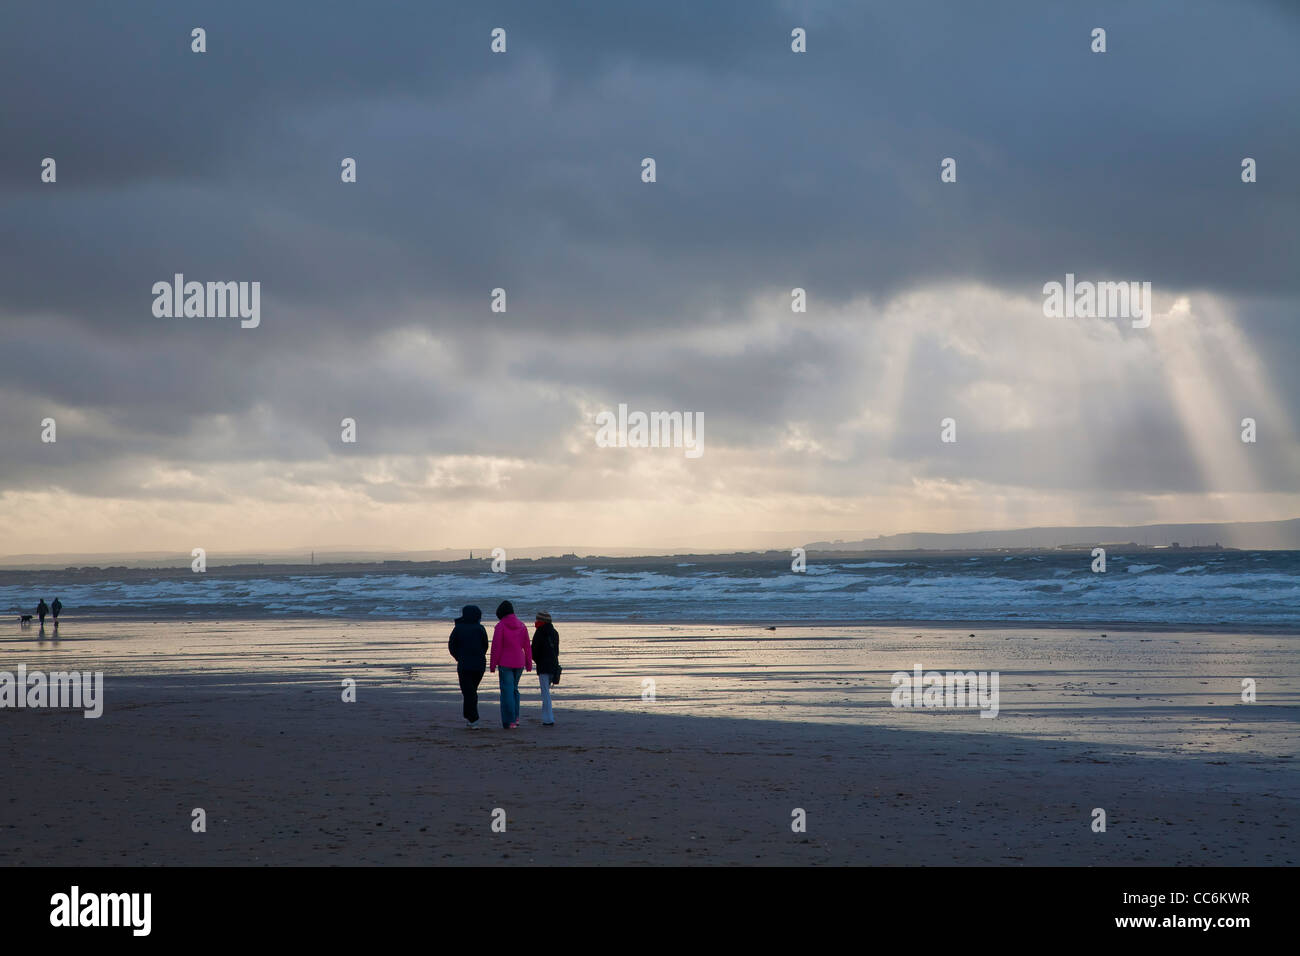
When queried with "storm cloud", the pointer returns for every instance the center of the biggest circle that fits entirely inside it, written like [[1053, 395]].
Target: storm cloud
[[522, 170]]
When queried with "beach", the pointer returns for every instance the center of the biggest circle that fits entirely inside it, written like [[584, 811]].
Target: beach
[[740, 728]]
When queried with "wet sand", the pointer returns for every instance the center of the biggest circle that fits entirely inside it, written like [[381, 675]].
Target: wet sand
[[246, 720]]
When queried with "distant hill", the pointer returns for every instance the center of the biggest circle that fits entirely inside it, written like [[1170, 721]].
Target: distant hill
[[1251, 535]]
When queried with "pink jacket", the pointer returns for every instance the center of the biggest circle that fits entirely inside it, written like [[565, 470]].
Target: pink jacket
[[510, 644]]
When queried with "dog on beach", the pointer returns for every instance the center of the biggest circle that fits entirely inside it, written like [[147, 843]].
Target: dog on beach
[[25, 619]]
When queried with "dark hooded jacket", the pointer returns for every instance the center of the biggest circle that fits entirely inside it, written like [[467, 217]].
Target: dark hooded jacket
[[546, 648], [469, 640]]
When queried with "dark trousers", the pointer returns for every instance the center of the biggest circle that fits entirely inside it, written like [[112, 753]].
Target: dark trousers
[[469, 681]]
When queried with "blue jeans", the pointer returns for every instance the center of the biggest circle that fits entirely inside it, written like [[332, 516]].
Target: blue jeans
[[509, 677], [548, 717]]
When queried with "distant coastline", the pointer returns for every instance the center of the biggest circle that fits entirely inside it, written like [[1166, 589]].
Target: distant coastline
[[1227, 536], [271, 568]]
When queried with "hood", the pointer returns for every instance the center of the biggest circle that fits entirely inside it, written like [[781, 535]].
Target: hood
[[512, 623], [470, 613]]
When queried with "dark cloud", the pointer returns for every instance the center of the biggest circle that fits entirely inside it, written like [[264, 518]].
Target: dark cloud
[[522, 171]]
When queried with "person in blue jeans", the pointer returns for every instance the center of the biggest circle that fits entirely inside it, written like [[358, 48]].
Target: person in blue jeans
[[512, 652], [546, 658]]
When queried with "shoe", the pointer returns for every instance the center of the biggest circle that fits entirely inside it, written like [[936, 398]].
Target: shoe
[[471, 724], [545, 724], [514, 726]]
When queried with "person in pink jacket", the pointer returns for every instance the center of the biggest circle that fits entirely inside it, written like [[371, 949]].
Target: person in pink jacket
[[512, 653]]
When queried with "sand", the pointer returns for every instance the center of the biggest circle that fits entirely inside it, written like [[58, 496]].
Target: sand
[[245, 720]]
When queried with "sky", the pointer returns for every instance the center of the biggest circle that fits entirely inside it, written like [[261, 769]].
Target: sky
[[522, 170]]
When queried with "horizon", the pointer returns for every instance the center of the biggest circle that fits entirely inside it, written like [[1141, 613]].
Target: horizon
[[344, 555]]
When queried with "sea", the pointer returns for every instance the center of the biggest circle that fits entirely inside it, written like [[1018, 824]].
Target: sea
[[1249, 591]]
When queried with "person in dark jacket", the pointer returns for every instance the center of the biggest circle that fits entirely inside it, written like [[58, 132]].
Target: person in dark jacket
[[42, 609], [469, 644], [55, 608], [546, 658]]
